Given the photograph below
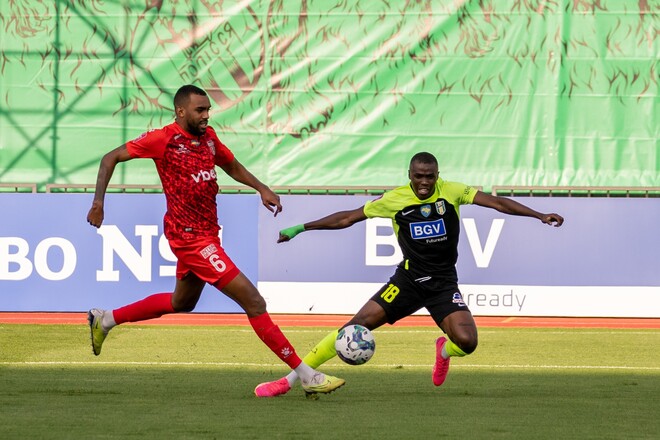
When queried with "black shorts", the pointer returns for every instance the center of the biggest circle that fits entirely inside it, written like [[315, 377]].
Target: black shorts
[[406, 293]]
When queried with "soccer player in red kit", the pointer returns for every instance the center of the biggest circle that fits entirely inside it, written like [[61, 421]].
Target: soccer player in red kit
[[185, 153]]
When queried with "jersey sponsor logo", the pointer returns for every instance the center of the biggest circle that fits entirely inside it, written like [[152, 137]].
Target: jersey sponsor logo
[[211, 146], [458, 299], [211, 253], [208, 251], [440, 207], [204, 176], [425, 210], [431, 229]]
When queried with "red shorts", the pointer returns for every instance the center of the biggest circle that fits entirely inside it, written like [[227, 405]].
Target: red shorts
[[205, 257]]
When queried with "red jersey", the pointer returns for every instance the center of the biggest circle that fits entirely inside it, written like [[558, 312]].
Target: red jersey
[[186, 166]]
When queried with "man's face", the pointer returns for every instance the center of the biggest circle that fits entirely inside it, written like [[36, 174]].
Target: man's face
[[423, 177], [193, 116]]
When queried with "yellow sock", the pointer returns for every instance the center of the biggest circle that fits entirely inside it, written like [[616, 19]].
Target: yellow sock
[[323, 351], [453, 349]]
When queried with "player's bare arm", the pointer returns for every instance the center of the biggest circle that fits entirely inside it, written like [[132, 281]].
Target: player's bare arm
[[106, 169], [508, 206], [239, 173], [337, 220]]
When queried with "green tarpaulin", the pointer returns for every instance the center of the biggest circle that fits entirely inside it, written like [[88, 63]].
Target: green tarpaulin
[[336, 92]]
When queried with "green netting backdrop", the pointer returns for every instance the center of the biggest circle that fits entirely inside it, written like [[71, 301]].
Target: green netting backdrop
[[340, 92]]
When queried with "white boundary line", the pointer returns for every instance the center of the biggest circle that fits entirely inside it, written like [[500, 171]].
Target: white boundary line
[[390, 330], [250, 364]]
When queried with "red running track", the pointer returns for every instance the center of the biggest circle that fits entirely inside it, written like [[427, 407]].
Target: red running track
[[336, 320]]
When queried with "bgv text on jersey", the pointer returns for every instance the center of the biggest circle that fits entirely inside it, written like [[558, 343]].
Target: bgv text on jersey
[[421, 230]]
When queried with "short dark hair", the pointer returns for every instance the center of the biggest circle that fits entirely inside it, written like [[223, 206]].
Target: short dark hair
[[183, 94], [424, 157]]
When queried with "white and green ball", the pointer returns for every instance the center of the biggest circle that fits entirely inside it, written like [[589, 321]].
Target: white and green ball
[[355, 344]]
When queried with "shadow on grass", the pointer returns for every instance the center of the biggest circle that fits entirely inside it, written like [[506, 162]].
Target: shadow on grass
[[201, 402]]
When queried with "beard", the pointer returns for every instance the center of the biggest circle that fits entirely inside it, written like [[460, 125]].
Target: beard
[[198, 129]]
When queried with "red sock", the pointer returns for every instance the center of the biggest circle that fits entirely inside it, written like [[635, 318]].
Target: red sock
[[150, 307], [273, 337]]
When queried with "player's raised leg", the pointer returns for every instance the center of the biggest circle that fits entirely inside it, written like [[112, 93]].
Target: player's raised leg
[[97, 332], [462, 332], [186, 294], [102, 321]]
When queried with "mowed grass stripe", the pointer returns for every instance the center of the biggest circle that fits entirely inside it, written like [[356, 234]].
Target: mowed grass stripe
[[184, 382]]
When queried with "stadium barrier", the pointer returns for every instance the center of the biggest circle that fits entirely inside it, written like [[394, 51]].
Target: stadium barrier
[[224, 189], [577, 191], [501, 190], [18, 187]]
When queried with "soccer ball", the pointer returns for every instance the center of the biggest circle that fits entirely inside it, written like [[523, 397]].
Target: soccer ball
[[355, 344]]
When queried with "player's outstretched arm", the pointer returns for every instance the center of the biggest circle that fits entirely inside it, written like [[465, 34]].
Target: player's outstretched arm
[[106, 168], [337, 220], [508, 206], [239, 173]]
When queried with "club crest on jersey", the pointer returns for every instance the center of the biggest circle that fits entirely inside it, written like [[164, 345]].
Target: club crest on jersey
[[211, 146], [440, 207], [458, 299], [425, 210], [194, 143]]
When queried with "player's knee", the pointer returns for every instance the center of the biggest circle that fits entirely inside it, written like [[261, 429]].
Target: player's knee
[[470, 347], [185, 309], [183, 306], [255, 305], [467, 343]]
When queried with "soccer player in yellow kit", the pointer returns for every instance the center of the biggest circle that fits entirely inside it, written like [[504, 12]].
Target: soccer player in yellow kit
[[425, 217]]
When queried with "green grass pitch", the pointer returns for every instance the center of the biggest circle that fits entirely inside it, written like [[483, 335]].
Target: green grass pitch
[[162, 382]]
